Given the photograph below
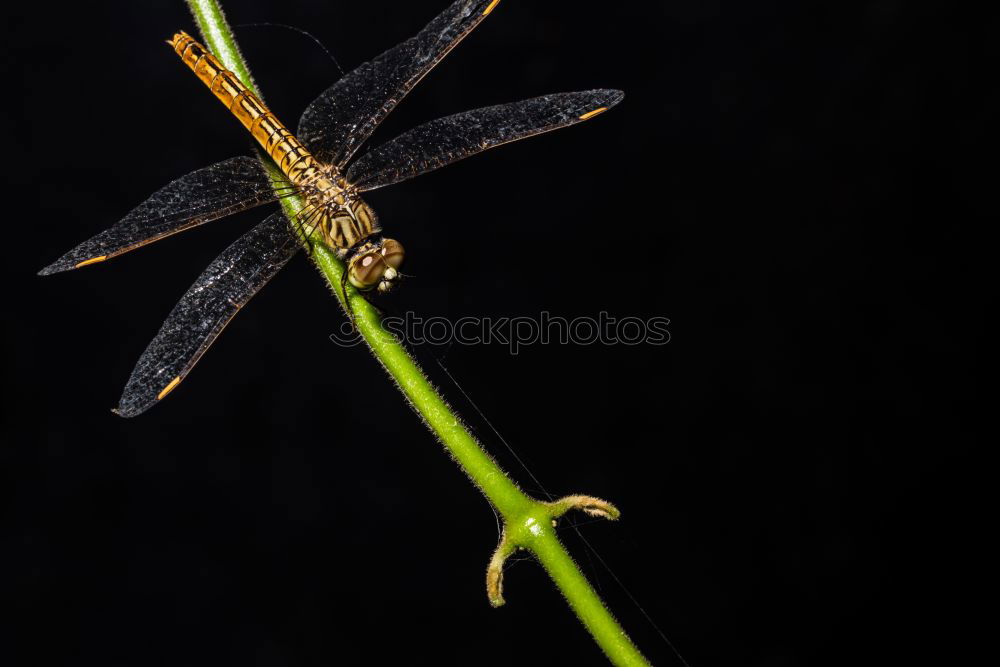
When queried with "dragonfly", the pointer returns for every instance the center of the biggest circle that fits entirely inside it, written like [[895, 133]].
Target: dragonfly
[[319, 167]]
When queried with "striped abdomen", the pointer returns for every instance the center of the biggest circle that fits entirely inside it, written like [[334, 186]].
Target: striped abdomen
[[342, 218], [295, 161]]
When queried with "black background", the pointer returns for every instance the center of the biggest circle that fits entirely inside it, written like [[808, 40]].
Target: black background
[[794, 185]]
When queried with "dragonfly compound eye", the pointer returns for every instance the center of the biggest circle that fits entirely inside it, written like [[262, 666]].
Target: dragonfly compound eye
[[366, 270], [393, 253]]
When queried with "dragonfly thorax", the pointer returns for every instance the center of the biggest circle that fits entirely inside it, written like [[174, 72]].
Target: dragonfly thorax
[[349, 226], [342, 218]]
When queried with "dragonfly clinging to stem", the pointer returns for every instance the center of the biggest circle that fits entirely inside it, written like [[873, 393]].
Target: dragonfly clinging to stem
[[318, 167]]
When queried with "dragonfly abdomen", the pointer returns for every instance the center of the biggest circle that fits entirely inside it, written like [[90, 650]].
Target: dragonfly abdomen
[[297, 163]]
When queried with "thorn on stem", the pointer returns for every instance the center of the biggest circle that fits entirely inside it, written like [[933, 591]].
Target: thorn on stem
[[588, 504], [494, 573], [542, 514]]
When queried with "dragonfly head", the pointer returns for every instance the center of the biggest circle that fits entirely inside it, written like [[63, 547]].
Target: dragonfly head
[[376, 265]]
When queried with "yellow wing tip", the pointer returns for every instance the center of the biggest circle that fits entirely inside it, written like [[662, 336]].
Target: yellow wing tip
[[490, 7], [93, 260], [169, 388], [591, 114]]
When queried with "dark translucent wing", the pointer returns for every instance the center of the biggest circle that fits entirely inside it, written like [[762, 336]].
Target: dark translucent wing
[[446, 140], [225, 286], [208, 194], [337, 122]]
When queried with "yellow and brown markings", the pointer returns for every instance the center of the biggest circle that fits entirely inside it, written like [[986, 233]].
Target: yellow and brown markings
[[295, 161], [342, 219], [491, 7]]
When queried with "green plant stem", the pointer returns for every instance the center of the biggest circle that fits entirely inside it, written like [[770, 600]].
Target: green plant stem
[[528, 523]]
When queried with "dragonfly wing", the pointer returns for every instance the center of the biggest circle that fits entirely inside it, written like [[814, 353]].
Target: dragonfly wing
[[446, 140], [207, 194], [337, 122], [196, 321]]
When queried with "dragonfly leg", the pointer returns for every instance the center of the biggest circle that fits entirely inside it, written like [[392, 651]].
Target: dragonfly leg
[[302, 223]]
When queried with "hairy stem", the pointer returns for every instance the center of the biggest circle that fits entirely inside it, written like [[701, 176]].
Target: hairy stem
[[528, 522]]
